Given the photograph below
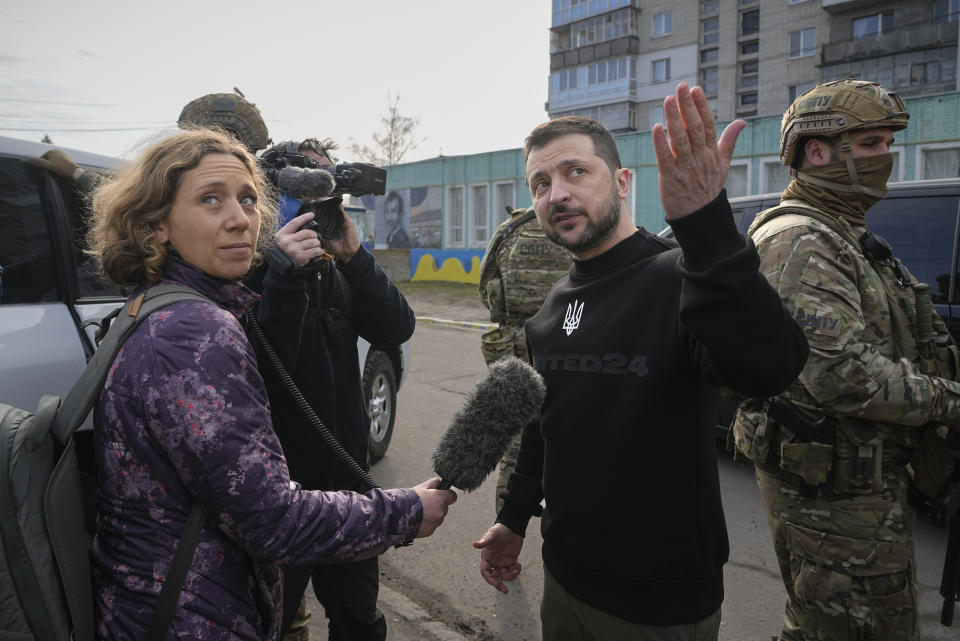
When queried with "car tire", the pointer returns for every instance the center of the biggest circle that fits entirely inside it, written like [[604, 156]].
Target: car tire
[[380, 393]]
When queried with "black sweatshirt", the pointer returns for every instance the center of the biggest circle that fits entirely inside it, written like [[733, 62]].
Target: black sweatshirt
[[312, 321], [632, 346]]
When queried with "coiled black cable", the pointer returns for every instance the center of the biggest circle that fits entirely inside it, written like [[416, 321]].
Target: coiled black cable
[[342, 455]]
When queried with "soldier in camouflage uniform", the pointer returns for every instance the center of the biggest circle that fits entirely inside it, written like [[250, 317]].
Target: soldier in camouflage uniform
[[518, 269], [835, 453]]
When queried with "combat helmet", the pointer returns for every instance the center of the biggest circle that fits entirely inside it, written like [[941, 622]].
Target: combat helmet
[[232, 112], [837, 107]]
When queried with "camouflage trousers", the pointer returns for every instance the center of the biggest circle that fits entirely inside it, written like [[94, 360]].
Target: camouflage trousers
[[847, 562], [507, 465]]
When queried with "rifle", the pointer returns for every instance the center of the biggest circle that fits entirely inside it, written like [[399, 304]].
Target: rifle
[[943, 510]]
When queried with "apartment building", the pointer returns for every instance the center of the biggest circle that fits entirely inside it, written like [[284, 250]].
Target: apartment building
[[615, 60]]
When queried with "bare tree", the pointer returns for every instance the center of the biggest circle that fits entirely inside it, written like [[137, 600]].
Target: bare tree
[[394, 141]]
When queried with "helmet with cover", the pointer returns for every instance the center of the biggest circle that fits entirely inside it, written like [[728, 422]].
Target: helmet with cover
[[232, 112], [834, 108]]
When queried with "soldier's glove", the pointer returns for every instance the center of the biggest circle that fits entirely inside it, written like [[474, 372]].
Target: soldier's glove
[[57, 162], [934, 460]]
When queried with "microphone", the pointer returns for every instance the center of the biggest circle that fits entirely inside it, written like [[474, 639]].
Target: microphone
[[505, 399], [305, 183]]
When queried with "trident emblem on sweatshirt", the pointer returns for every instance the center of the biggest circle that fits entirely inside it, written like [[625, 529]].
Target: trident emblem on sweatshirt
[[571, 319]]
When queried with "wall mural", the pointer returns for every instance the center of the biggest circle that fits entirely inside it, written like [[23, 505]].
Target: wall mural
[[406, 218], [413, 219]]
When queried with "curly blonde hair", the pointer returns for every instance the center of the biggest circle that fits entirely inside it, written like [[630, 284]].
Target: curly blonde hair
[[125, 211]]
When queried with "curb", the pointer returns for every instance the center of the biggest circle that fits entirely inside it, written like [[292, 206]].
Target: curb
[[453, 323], [408, 609]]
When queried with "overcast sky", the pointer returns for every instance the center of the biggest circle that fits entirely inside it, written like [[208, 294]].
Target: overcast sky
[[104, 75]]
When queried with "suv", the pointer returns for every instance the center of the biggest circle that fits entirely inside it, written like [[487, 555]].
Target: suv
[[920, 219], [51, 296]]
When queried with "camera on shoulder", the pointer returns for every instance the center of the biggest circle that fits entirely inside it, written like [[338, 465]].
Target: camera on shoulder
[[319, 186]]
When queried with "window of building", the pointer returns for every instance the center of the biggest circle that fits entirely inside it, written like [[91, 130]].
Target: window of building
[[748, 99], [479, 215], [797, 1], [709, 7], [924, 72], [455, 221], [504, 200], [939, 160], [738, 180], [656, 115], [749, 22], [749, 74], [796, 90], [745, 2], [710, 31], [709, 55], [749, 47], [774, 177], [898, 156], [708, 81], [803, 43], [661, 70], [946, 10], [663, 24], [873, 25]]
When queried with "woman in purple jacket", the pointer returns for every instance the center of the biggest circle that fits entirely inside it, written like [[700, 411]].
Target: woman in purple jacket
[[183, 417]]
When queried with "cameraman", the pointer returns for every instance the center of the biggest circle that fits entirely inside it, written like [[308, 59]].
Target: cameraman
[[313, 315]]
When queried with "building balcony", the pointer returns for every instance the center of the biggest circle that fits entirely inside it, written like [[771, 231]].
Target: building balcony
[[592, 95], [926, 36], [839, 6], [623, 46]]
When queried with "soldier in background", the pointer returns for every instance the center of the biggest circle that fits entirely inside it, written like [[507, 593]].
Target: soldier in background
[[835, 454], [519, 267]]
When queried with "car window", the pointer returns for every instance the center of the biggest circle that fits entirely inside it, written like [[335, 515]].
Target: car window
[[34, 266], [744, 215], [921, 231], [26, 256], [90, 284]]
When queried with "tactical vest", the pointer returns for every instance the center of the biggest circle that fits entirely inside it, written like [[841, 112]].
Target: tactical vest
[[519, 267], [855, 455]]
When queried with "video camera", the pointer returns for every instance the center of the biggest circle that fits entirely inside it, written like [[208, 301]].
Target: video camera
[[303, 178]]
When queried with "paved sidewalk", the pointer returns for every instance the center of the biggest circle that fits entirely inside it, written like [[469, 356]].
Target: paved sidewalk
[[406, 621]]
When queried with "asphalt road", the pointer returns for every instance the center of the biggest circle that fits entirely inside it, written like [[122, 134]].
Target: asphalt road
[[433, 589]]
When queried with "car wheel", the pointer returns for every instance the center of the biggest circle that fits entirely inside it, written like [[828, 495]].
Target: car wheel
[[380, 392]]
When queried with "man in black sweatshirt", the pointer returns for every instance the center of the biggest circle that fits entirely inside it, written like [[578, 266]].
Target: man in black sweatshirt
[[633, 344]]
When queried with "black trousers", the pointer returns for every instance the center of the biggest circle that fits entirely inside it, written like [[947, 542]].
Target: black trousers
[[348, 593]]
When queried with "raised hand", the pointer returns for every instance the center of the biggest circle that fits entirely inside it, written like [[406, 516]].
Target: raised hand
[[693, 165]]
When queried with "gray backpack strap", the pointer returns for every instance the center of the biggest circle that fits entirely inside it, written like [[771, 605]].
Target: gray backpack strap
[[85, 392]]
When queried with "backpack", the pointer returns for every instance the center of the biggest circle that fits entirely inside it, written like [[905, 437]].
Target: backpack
[[46, 592]]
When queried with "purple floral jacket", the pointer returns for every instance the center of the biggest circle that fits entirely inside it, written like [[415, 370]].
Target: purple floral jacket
[[183, 417]]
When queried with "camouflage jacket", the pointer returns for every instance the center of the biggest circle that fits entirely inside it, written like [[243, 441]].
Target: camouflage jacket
[[184, 418], [519, 267], [861, 366]]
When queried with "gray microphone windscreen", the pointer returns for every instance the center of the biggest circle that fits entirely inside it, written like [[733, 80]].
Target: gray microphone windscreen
[[504, 400], [303, 183]]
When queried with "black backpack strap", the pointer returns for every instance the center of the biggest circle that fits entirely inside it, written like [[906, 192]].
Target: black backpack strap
[[85, 392], [177, 575], [513, 224]]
